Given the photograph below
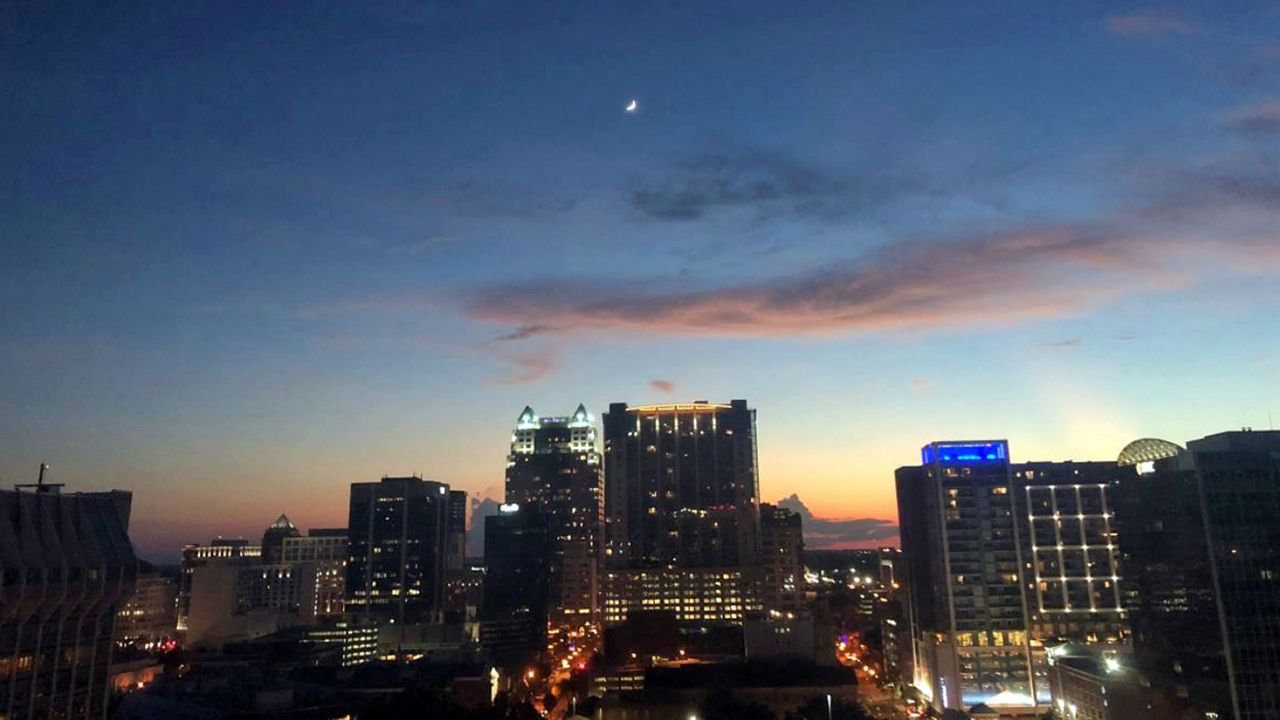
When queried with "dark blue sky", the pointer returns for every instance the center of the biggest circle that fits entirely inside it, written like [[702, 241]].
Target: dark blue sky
[[250, 253]]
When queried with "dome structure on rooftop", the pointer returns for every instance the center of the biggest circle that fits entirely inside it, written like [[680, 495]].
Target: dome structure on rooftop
[[1147, 450]]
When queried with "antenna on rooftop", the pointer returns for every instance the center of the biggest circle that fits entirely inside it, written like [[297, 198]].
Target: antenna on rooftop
[[39, 485]]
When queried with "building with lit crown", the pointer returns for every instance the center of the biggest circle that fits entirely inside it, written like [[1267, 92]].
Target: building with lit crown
[[682, 511], [964, 579], [554, 468]]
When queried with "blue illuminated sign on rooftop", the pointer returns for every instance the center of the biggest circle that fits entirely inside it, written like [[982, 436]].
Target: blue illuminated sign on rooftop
[[965, 453]]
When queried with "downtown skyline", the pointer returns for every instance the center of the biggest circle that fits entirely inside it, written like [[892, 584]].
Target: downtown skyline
[[297, 249]]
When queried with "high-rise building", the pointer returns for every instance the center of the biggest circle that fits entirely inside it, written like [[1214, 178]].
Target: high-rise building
[[682, 511], [456, 558], [398, 541], [1068, 538], [66, 567], [781, 555], [964, 578], [1069, 544], [326, 550], [669, 470], [1200, 541], [513, 613], [554, 467]]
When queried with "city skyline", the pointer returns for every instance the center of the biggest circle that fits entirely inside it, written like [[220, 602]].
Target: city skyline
[[252, 256], [155, 541]]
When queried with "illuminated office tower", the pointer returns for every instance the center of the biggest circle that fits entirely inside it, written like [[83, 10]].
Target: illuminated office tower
[[1201, 545], [1068, 536], [554, 469], [682, 511], [964, 578], [398, 539], [1069, 542], [66, 567]]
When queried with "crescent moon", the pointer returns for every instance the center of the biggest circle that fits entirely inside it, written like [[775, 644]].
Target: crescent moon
[[632, 106]]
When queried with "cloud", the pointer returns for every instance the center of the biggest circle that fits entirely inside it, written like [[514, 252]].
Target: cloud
[[1149, 25], [768, 182], [1070, 342], [1197, 225], [922, 384], [418, 247], [527, 367], [983, 280], [831, 534], [1263, 117], [524, 332], [666, 387]]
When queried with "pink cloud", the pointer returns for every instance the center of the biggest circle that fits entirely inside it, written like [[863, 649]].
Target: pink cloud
[[527, 367], [984, 281], [1200, 225], [666, 387], [1149, 25], [1262, 117]]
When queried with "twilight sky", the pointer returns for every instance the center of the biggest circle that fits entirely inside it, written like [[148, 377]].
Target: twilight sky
[[250, 253]]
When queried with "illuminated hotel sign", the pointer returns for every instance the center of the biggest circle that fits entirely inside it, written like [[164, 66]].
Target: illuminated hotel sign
[[994, 451]]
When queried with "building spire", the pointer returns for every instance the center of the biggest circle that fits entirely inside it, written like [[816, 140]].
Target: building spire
[[282, 523], [581, 418]]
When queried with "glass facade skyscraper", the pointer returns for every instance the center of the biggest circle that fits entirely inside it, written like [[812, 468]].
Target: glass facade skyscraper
[[1201, 539], [397, 549], [513, 612]]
